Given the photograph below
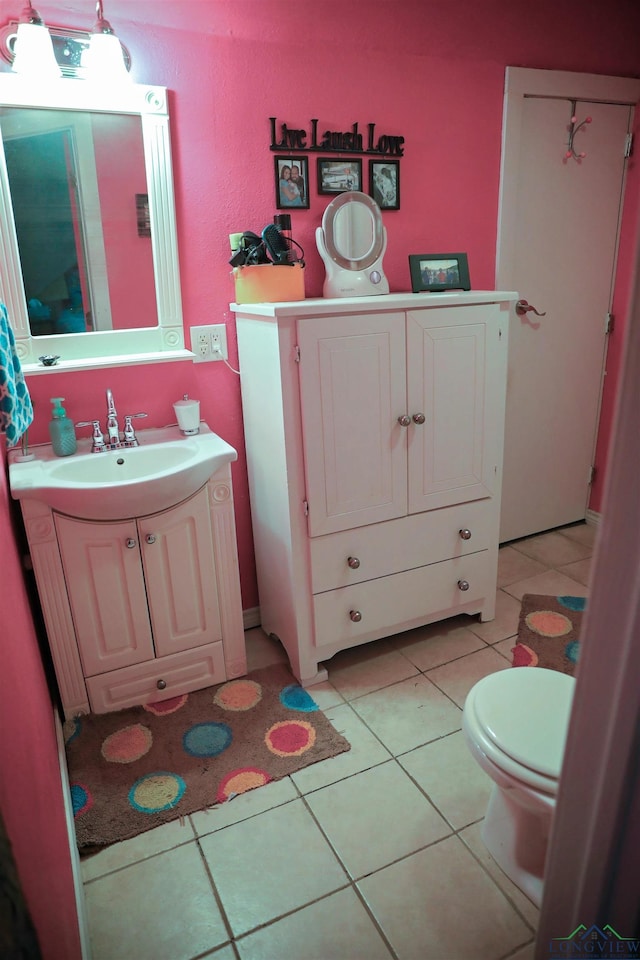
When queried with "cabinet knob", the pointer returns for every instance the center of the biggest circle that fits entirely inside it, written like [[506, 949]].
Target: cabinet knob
[[404, 420], [355, 615], [465, 534], [463, 584], [150, 538], [130, 543], [161, 684], [353, 562], [419, 418]]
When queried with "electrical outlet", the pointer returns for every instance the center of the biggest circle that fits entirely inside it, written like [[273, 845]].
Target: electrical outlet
[[209, 343]]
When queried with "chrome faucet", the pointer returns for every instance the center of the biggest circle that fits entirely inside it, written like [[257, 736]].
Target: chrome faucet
[[113, 431]]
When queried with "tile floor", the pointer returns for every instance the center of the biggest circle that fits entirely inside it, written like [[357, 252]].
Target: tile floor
[[372, 854]]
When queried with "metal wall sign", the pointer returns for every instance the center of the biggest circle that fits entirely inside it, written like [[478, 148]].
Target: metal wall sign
[[292, 140]]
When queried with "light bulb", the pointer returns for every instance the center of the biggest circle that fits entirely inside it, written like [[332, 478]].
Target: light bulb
[[33, 49]]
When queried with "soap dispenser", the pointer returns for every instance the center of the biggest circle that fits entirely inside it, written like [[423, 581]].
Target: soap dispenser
[[61, 430]]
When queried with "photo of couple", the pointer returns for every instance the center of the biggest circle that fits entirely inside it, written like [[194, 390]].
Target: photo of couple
[[292, 182]]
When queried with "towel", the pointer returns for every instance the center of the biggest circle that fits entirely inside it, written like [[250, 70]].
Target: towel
[[16, 411]]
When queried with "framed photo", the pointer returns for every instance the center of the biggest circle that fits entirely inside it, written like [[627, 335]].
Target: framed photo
[[292, 183], [384, 183], [439, 271], [339, 176]]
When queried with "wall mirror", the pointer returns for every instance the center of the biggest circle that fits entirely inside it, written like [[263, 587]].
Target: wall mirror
[[89, 265]]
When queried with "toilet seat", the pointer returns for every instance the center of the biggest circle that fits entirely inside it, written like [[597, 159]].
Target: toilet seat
[[519, 719]]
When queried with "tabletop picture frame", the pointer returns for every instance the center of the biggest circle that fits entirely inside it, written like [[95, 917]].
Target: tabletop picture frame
[[439, 271]]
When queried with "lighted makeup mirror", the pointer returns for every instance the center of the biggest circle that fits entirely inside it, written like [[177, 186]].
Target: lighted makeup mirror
[[90, 306], [352, 241]]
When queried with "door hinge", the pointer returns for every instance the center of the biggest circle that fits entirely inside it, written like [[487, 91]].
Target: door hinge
[[296, 353], [609, 322], [592, 473], [305, 507], [628, 145]]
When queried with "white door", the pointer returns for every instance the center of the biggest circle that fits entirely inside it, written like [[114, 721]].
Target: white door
[[558, 231]]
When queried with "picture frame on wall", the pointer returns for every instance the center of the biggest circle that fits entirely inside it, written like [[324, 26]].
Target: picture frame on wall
[[292, 183], [384, 183], [339, 176], [439, 271]]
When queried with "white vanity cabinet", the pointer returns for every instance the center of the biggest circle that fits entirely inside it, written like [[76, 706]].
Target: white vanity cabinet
[[142, 609], [374, 432]]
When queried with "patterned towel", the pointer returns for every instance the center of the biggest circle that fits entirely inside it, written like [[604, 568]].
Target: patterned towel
[[16, 411]]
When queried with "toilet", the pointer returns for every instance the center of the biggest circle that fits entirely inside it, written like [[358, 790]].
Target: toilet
[[515, 723]]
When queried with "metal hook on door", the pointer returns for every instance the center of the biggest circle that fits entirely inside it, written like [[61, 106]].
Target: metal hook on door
[[573, 129], [523, 307]]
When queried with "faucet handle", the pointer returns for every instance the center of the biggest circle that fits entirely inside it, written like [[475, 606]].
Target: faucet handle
[[130, 439], [97, 445]]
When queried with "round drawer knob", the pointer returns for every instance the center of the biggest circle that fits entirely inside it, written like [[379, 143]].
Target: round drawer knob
[[130, 543], [404, 420], [150, 538], [353, 562], [465, 534], [355, 615], [161, 684], [463, 584], [419, 418]]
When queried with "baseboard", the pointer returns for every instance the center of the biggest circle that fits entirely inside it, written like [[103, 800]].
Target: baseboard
[[73, 846], [251, 618], [593, 517]]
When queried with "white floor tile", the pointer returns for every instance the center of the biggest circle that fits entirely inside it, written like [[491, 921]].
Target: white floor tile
[[366, 835], [456, 678], [550, 582], [138, 848], [336, 928], [434, 644], [408, 714], [271, 864], [360, 670], [586, 533], [439, 903], [552, 549], [262, 651], [136, 912], [452, 779], [505, 622], [580, 570], [244, 806], [513, 566], [366, 751]]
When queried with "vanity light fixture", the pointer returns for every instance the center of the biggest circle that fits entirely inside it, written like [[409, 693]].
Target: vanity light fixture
[[37, 51], [33, 51]]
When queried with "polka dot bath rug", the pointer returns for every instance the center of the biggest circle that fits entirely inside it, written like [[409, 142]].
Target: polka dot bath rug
[[549, 632], [135, 769]]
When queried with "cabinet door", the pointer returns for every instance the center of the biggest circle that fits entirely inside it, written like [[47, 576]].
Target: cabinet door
[[451, 454], [179, 568], [352, 385], [106, 592]]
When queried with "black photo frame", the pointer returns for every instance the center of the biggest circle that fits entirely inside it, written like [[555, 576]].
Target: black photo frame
[[339, 175], [292, 191], [439, 271], [384, 183]]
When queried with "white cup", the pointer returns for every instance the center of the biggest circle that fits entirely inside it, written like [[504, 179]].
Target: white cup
[[188, 415]]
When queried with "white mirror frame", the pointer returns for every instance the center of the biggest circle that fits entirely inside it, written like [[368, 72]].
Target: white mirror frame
[[108, 348]]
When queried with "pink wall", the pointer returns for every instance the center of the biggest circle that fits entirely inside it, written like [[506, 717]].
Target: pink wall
[[30, 783], [428, 71]]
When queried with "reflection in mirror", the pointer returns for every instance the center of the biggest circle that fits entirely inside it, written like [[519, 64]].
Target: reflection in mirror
[[74, 179], [352, 241], [88, 249]]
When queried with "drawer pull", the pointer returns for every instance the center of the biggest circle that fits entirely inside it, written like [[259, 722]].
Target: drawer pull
[[463, 584], [355, 615], [404, 420], [419, 418], [130, 542], [353, 562], [161, 684], [150, 538], [465, 534]]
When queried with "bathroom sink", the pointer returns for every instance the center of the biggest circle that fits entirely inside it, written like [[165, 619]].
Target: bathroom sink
[[166, 468]]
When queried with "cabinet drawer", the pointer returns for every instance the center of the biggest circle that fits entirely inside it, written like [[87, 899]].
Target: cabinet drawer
[[397, 545], [182, 672], [401, 600]]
